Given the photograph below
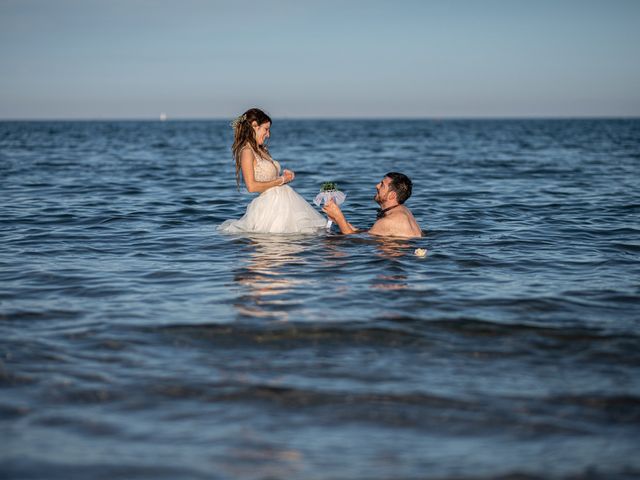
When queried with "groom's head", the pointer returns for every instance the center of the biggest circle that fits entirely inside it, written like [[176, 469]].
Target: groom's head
[[394, 186]]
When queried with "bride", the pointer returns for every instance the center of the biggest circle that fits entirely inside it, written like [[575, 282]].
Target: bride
[[278, 208]]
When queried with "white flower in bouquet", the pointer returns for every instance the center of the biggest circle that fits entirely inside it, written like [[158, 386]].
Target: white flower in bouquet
[[329, 191]]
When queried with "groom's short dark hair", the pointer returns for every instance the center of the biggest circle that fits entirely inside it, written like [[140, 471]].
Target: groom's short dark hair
[[400, 184]]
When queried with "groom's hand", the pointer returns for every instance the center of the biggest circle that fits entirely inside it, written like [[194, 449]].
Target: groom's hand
[[334, 213], [332, 210]]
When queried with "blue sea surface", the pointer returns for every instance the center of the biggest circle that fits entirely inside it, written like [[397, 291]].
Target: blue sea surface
[[138, 342]]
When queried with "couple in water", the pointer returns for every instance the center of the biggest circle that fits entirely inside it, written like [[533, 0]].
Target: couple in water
[[279, 209]]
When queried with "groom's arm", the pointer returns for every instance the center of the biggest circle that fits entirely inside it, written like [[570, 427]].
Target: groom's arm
[[334, 213]]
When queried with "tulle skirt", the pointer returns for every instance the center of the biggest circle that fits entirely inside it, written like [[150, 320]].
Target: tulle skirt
[[277, 210]]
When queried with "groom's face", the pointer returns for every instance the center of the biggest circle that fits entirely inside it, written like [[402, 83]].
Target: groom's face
[[382, 190]]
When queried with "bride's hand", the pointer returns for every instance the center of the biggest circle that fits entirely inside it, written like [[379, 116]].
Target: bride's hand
[[288, 175]]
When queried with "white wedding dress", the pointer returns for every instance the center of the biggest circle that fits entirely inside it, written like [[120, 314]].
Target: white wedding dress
[[277, 210]]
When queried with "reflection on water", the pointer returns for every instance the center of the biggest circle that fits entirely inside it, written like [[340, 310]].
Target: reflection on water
[[389, 282], [392, 247], [275, 267], [272, 252], [267, 277], [253, 451]]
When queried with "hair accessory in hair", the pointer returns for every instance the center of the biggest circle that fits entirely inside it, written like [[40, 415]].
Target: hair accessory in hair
[[238, 120]]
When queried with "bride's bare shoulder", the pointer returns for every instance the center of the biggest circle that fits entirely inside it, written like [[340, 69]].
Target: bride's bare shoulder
[[246, 148], [247, 153]]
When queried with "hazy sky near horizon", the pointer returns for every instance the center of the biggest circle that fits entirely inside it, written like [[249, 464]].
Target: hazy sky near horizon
[[204, 59]]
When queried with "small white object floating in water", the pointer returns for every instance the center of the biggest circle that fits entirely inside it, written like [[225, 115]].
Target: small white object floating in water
[[420, 252], [163, 117]]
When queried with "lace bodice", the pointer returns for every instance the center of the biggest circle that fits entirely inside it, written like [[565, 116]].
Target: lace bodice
[[265, 170]]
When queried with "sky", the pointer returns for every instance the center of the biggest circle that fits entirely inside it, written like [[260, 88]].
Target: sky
[[133, 59]]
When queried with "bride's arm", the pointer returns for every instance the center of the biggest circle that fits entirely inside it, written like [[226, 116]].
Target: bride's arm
[[253, 185]]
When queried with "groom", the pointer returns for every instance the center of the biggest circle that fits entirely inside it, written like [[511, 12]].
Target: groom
[[394, 219]]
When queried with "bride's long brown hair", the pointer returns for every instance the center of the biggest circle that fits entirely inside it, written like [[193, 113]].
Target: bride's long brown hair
[[244, 135]]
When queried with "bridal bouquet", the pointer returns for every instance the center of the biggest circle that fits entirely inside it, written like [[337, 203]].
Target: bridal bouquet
[[329, 191]]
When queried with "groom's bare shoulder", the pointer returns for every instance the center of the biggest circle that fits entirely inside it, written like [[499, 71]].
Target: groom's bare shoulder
[[382, 227], [400, 223]]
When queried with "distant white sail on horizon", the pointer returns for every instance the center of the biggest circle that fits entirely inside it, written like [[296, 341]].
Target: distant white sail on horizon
[[163, 117]]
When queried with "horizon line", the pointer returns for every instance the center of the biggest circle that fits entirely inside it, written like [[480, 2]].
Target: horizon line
[[324, 117]]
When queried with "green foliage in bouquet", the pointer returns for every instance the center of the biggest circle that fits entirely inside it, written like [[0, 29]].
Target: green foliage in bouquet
[[328, 186]]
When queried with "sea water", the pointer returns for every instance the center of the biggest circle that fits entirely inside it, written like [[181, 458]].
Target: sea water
[[138, 342]]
